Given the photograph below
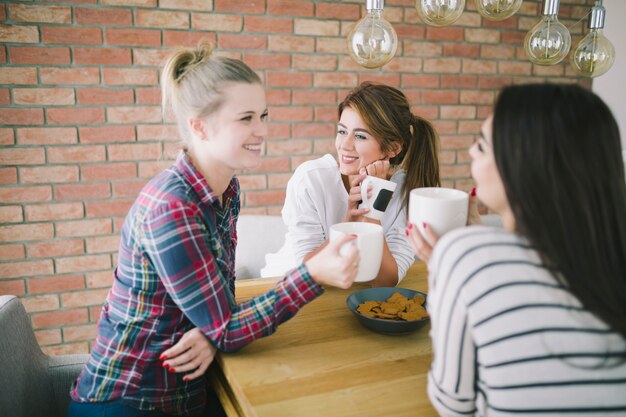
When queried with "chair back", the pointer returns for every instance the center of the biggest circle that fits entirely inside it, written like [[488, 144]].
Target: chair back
[[257, 236]]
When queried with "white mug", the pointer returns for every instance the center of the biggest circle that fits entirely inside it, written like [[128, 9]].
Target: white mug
[[369, 241], [382, 191], [443, 209]]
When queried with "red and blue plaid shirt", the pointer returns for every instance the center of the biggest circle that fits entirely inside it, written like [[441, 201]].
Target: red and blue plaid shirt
[[175, 272]]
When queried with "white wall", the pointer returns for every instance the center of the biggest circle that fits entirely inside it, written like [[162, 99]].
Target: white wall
[[612, 85]]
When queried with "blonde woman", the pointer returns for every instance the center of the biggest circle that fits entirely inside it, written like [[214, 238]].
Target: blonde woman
[[174, 281]]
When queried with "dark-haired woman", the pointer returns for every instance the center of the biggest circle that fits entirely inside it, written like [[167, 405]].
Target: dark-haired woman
[[377, 135], [531, 320]]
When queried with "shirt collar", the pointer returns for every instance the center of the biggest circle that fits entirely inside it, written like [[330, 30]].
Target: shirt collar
[[199, 183]]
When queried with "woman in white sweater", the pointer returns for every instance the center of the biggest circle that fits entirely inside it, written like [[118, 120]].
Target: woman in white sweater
[[376, 135], [531, 320]]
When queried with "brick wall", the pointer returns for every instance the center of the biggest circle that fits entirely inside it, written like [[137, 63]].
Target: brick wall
[[81, 127]]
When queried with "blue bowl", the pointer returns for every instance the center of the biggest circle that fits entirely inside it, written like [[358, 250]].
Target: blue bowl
[[382, 325]]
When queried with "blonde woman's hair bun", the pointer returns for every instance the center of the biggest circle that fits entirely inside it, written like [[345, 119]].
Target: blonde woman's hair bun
[[188, 59]]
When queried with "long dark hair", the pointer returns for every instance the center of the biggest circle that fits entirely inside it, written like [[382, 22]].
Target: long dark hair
[[387, 114], [558, 151]]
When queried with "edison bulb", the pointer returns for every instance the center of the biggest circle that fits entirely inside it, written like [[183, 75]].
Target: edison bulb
[[594, 54], [373, 41], [498, 9], [548, 42], [439, 12]]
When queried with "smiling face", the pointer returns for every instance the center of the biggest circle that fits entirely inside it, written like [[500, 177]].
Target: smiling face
[[356, 147], [489, 186], [232, 137]]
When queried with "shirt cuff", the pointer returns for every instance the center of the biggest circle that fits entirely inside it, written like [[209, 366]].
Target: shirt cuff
[[300, 286]]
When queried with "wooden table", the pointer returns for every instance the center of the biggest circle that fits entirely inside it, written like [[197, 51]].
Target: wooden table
[[323, 362]]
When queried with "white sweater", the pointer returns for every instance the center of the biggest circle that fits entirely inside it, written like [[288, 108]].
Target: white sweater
[[509, 340], [316, 199]]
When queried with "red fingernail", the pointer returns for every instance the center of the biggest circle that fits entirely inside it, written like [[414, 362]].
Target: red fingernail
[[185, 379], [165, 365], [406, 232], [353, 235], [473, 192], [163, 357], [172, 370], [424, 225], [410, 226]]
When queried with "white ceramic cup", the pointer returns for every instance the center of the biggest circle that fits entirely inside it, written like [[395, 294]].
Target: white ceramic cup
[[382, 191], [369, 241], [443, 209]]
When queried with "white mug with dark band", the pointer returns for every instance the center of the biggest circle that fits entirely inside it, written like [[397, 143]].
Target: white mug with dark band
[[381, 193]]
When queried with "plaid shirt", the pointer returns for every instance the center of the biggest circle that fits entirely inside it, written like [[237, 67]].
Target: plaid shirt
[[175, 272]]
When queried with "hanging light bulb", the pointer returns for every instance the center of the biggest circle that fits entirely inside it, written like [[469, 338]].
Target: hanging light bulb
[[439, 12], [373, 41], [498, 9], [594, 54], [548, 42]]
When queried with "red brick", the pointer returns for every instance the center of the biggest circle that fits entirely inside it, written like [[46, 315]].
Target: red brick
[[43, 14], [161, 19], [22, 156], [312, 62], [279, 181], [444, 34], [102, 56], [48, 337], [330, 45], [148, 95], [61, 76], [107, 134], [470, 127], [462, 50], [400, 64], [25, 194], [3, 54], [517, 68], [59, 318], [279, 131], [289, 147], [240, 6], [139, 3], [77, 333], [389, 79], [59, 211], [348, 80], [229, 41], [21, 117], [150, 57], [18, 75], [39, 55], [157, 132], [114, 208], [135, 152], [477, 97], [316, 27], [482, 35], [75, 115], [11, 214], [11, 252], [179, 38], [83, 228], [493, 82], [290, 7], [46, 136], [105, 96], [81, 191], [99, 279], [8, 176], [71, 35], [263, 198], [41, 302], [274, 165], [68, 348], [296, 161], [265, 24], [129, 76], [5, 98], [458, 112], [103, 244], [103, 16], [109, 171], [52, 249], [314, 97], [82, 263], [423, 49], [132, 37], [12, 287], [440, 97], [84, 298], [479, 66], [423, 81], [217, 22], [445, 65], [48, 174], [445, 126], [549, 70], [291, 43], [135, 114], [19, 34], [314, 130], [338, 11], [291, 114], [43, 96], [326, 114], [252, 182], [516, 38], [69, 154], [127, 188], [25, 269], [459, 81], [410, 31], [201, 5], [497, 51], [7, 137], [289, 79]]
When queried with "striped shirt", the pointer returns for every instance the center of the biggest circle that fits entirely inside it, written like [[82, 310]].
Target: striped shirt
[[175, 272], [509, 340]]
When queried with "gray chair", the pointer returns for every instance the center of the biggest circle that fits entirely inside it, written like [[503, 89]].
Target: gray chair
[[257, 235], [32, 384]]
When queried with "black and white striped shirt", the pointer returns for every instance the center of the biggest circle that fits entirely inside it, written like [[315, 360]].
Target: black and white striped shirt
[[508, 339]]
